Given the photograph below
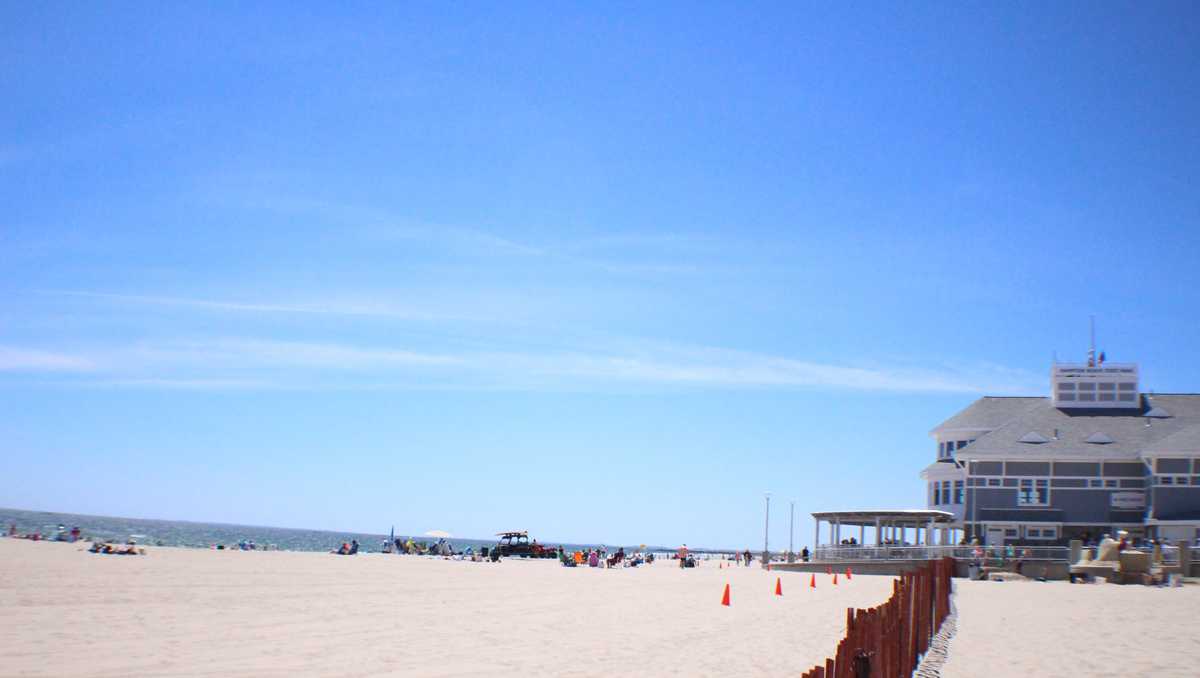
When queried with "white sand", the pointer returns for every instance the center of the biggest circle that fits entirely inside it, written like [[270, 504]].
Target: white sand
[[1059, 629], [179, 612]]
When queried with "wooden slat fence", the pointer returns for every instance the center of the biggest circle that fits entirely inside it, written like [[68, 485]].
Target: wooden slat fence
[[888, 641]]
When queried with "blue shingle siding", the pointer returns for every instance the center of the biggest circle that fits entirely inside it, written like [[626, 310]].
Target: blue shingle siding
[[1082, 506], [1076, 468], [1124, 468], [1069, 482], [987, 468], [1126, 516], [1169, 501], [1173, 466], [1015, 515], [992, 496], [1027, 468]]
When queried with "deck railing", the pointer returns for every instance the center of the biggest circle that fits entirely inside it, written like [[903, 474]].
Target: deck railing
[[888, 641], [840, 553]]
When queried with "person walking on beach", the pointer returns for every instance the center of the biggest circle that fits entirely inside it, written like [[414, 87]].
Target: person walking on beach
[[747, 557], [682, 556]]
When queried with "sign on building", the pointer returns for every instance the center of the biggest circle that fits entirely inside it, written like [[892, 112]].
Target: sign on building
[[1128, 500]]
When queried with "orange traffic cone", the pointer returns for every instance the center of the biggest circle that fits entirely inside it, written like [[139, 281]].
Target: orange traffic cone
[[835, 579], [725, 598], [778, 586], [848, 576], [812, 583]]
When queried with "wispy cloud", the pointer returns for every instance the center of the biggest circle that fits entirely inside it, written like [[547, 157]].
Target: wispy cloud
[[33, 360], [251, 363], [457, 237], [604, 251], [343, 308]]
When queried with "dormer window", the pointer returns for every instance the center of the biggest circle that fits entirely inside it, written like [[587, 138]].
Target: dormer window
[[1099, 438], [1033, 438], [946, 449]]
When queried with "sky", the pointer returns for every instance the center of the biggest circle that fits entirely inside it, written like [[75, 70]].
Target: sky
[[607, 272]]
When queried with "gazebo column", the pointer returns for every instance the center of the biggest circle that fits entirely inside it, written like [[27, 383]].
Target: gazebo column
[[862, 533], [817, 536], [878, 538]]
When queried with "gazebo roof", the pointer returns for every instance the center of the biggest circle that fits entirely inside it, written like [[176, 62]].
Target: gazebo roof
[[868, 517]]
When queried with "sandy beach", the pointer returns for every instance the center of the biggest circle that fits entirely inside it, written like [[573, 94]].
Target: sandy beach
[[1051, 629], [182, 612]]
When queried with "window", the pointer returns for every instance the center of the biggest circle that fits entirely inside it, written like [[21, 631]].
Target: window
[[1087, 397], [1181, 480], [944, 450], [1041, 533], [1066, 386], [1066, 396], [1127, 386], [1110, 482], [1127, 397], [1087, 387], [1095, 482], [1010, 532], [958, 492], [933, 495], [945, 492], [993, 482], [1033, 492], [1165, 480], [1107, 386]]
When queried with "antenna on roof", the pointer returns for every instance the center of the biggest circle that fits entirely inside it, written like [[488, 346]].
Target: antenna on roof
[[1092, 343]]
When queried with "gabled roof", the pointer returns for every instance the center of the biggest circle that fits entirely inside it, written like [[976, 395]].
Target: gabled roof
[[942, 469], [1186, 440], [1067, 431], [987, 413]]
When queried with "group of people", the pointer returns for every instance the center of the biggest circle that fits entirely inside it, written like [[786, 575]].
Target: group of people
[[62, 534], [402, 547], [130, 549], [599, 557]]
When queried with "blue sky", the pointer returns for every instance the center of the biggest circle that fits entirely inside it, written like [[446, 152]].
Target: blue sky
[[602, 272]]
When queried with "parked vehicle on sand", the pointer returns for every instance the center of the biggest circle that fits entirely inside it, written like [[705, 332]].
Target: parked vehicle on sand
[[519, 544]]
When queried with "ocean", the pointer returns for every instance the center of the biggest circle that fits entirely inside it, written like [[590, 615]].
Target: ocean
[[205, 535]]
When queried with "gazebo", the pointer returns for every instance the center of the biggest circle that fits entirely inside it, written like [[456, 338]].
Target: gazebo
[[891, 527]]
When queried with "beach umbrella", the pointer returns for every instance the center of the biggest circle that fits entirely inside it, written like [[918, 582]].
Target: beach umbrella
[[440, 534]]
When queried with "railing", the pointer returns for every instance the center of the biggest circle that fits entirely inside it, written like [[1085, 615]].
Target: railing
[[989, 553], [888, 641]]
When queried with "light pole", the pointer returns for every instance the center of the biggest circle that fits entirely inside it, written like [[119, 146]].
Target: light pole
[[766, 532], [792, 531]]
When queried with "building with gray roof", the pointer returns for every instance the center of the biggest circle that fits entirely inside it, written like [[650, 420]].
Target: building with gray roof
[[1093, 457]]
